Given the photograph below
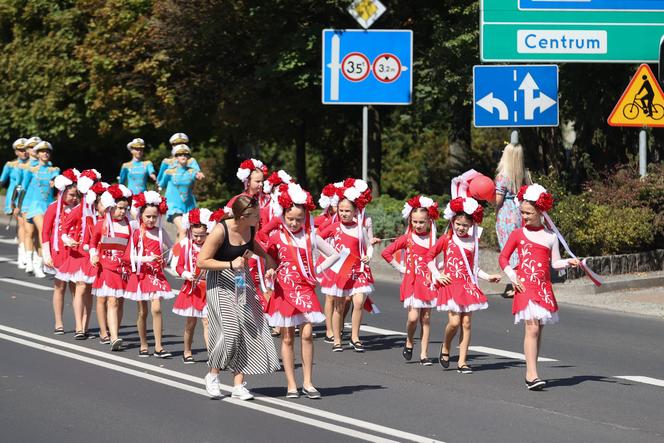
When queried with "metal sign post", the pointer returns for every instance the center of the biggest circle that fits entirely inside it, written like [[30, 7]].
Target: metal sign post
[[643, 152]]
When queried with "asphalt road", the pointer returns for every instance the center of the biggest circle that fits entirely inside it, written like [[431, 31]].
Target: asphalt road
[[605, 373]]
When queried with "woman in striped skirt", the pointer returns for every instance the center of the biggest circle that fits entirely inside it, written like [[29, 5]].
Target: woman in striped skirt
[[239, 337]]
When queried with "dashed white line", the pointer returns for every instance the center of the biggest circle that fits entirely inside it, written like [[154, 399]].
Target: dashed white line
[[502, 353], [641, 379], [27, 284]]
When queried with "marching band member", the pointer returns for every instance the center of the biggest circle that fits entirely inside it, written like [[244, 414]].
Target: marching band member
[[167, 163], [12, 172], [416, 292], [179, 181], [38, 183], [134, 174], [191, 301]]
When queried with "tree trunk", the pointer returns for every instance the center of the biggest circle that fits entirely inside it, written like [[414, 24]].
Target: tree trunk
[[301, 154], [375, 151]]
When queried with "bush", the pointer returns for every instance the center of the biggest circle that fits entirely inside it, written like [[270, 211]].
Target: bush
[[385, 213]]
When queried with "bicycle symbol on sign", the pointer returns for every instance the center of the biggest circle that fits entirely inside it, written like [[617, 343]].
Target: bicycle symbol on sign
[[644, 103]]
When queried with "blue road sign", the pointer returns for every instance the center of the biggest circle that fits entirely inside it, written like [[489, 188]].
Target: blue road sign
[[363, 67], [593, 5], [515, 95]]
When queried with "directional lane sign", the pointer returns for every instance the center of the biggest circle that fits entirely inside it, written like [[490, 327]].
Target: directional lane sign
[[367, 67], [515, 95]]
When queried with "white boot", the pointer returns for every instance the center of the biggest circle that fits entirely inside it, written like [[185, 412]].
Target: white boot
[[21, 256], [38, 263], [29, 267]]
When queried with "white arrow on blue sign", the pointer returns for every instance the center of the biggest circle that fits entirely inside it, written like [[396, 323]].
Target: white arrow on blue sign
[[367, 67], [515, 95]]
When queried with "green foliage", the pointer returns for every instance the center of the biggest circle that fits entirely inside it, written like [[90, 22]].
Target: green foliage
[[385, 212]]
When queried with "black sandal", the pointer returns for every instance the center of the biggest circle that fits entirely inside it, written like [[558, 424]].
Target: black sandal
[[426, 361], [337, 348], [357, 345], [407, 353], [275, 333], [444, 363], [59, 331], [535, 385], [80, 335]]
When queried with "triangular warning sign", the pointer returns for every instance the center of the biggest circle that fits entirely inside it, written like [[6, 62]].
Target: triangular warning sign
[[642, 103]]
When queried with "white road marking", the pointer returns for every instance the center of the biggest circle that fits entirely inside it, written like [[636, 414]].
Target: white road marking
[[185, 387], [8, 241], [27, 284], [5, 259], [375, 330], [502, 353], [641, 379], [394, 433]]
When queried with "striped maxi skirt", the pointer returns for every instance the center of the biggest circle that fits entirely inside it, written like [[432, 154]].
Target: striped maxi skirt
[[239, 336]]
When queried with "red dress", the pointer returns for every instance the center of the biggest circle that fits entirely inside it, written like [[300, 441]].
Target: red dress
[[147, 281], [191, 301], [52, 238], [462, 294], [77, 266], [537, 301], [348, 276], [294, 299], [417, 289], [113, 268]]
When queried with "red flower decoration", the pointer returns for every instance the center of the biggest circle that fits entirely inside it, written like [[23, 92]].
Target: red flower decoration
[[92, 174], [434, 213], [138, 201], [456, 205], [349, 182], [285, 200], [274, 179], [478, 215], [522, 191], [69, 173], [163, 207], [217, 215], [98, 188], [414, 202], [329, 190], [194, 217], [310, 205], [364, 199], [544, 202], [264, 170], [116, 192], [247, 164]]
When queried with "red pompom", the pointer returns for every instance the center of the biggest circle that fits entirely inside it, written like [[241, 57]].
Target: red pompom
[[116, 192], [264, 170], [522, 191], [544, 202], [364, 199], [456, 205], [98, 188], [309, 205], [69, 173], [434, 213], [138, 200], [217, 215], [285, 200], [274, 179], [247, 164], [194, 217], [414, 202], [163, 207], [478, 215], [349, 182], [329, 190]]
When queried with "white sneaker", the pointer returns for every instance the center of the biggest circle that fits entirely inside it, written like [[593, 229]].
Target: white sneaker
[[29, 266], [21, 256], [241, 393], [37, 263], [212, 385]]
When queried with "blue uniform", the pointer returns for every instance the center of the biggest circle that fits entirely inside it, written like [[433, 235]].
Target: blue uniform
[[171, 162], [179, 184], [12, 171], [38, 191], [134, 175]]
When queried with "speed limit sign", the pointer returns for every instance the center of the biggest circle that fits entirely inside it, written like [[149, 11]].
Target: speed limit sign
[[355, 66]]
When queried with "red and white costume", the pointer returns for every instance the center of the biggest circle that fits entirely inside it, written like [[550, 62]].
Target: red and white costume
[[460, 257], [147, 280], [191, 301], [417, 289], [294, 301], [538, 249], [109, 242], [78, 226], [54, 226]]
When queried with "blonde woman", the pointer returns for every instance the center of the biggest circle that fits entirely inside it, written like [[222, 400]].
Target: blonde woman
[[511, 174]]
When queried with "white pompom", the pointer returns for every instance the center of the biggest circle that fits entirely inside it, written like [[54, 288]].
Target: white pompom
[[107, 200], [361, 185], [405, 212], [533, 192], [470, 205], [324, 201], [61, 182], [426, 202], [448, 214], [84, 184], [243, 174], [352, 193]]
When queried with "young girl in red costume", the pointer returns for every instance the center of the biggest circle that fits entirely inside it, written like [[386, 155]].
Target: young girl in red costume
[[417, 292], [294, 301], [252, 173], [54, 251], [108, 245], [77, 268], [538, 249], [191, 302], [459, 293], [147, 249], [351, 275]]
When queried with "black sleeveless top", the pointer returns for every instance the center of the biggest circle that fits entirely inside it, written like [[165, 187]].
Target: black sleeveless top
[[228, 252]]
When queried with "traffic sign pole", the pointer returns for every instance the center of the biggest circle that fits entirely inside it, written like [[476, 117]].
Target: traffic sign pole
[[514, 137], [365, 143], [643, 152], [661, 61]]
